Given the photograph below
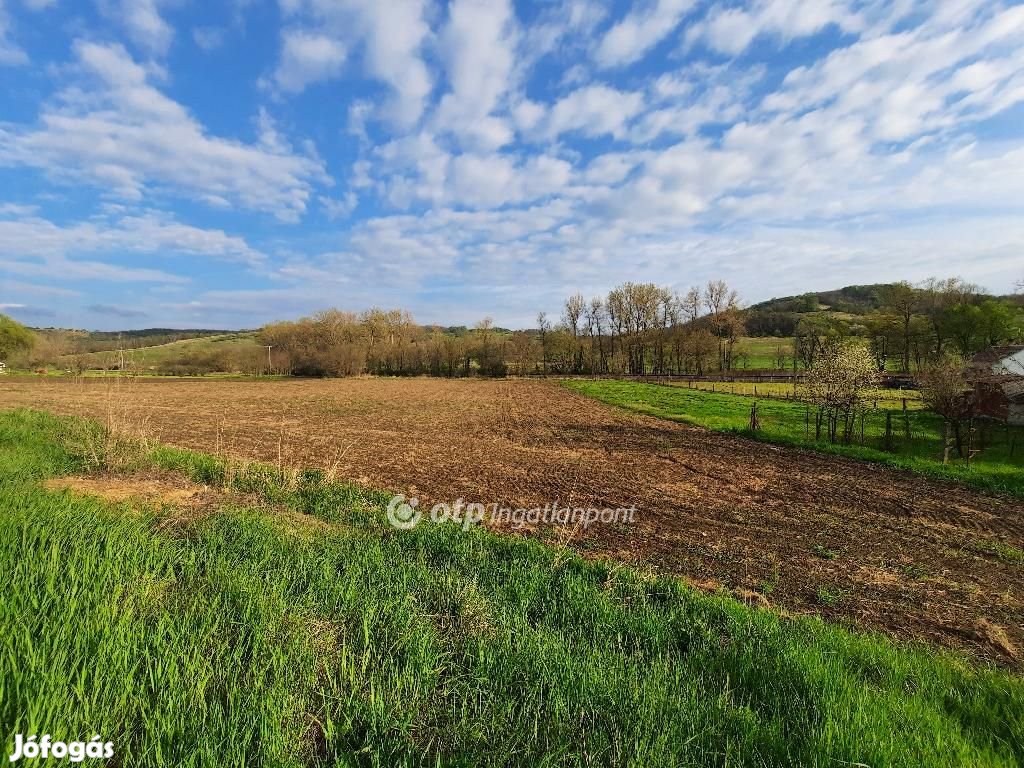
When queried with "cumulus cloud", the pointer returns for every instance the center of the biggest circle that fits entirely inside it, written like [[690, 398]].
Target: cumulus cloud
[[391, 35], [142, 22], [730, 29], [307, 57], [478, 46], [118, 132], [593, 110], [640, 30]]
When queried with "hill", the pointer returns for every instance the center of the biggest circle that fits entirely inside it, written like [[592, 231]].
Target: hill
[[231, 351], [779, 316], [76, 341], [850, 300]]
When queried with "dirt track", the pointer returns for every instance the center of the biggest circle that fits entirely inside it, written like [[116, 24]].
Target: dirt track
[[802, 531]]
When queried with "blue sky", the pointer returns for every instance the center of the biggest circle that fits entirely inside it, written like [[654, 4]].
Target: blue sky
[[186, 163]]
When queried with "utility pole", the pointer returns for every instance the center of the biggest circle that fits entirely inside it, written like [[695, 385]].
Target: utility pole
[[270, 363]]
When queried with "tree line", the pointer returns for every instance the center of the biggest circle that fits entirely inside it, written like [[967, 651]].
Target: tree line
[[636, 328], [914, 325]]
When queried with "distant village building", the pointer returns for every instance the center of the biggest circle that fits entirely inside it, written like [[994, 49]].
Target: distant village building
[[997, 375], [3, 367]]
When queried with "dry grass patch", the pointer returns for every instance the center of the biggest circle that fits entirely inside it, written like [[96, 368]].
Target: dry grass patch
[[149, 488]]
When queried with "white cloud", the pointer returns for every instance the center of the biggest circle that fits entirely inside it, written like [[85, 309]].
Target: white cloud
[[492, 181], [35, 247], [340, 209], [391, 33], [730, 29], [478, 47], [940, 75], [142, 22], [639, 31], [593, 110], [307, 57], [10, 53], [118, 132], [34, 237]]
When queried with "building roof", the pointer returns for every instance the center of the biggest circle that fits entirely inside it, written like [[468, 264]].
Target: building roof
[[1011, 385], [1014, 388], [995, 354]]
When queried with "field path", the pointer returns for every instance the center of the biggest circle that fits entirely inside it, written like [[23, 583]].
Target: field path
[[802, 531]]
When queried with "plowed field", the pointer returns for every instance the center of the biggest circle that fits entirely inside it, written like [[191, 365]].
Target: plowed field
[[800, 531]]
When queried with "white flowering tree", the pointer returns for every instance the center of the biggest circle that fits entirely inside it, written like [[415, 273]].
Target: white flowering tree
[[838, 383]]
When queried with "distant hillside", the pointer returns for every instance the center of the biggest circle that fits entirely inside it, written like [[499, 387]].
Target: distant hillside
[[779, 317], [232, 351], [851, 300], [75, 341]]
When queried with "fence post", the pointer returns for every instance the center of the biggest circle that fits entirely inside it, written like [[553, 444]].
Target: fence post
[[945, 442], [755, 423], [888, 430]]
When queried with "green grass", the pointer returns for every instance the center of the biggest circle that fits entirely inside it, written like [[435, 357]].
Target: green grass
[[890, 399], [785, 422], [239, 641], [758, 352]]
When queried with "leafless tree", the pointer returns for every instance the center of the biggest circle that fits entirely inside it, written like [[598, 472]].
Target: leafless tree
[[945, 390], [691, 304], [543, 328], [723, 307]]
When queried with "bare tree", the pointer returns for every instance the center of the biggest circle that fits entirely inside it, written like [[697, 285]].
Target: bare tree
[[691, 305], [543, 327], [722, 303], [574, 308], [944, 389], [595, 319]]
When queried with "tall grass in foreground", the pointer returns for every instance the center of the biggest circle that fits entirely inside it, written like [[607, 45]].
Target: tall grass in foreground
[[241, 641], [995, 469]]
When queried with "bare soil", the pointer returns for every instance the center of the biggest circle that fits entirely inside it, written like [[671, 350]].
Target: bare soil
[[800, 531]]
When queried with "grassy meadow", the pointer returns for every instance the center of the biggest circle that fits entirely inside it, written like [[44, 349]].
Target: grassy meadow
[[762, 352], [889, 399], [289, 626], [142, 358], [785, 421]]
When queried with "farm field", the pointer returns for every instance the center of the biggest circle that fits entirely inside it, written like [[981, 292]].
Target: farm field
[[998, 467], [252, 621], [804, 532]]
